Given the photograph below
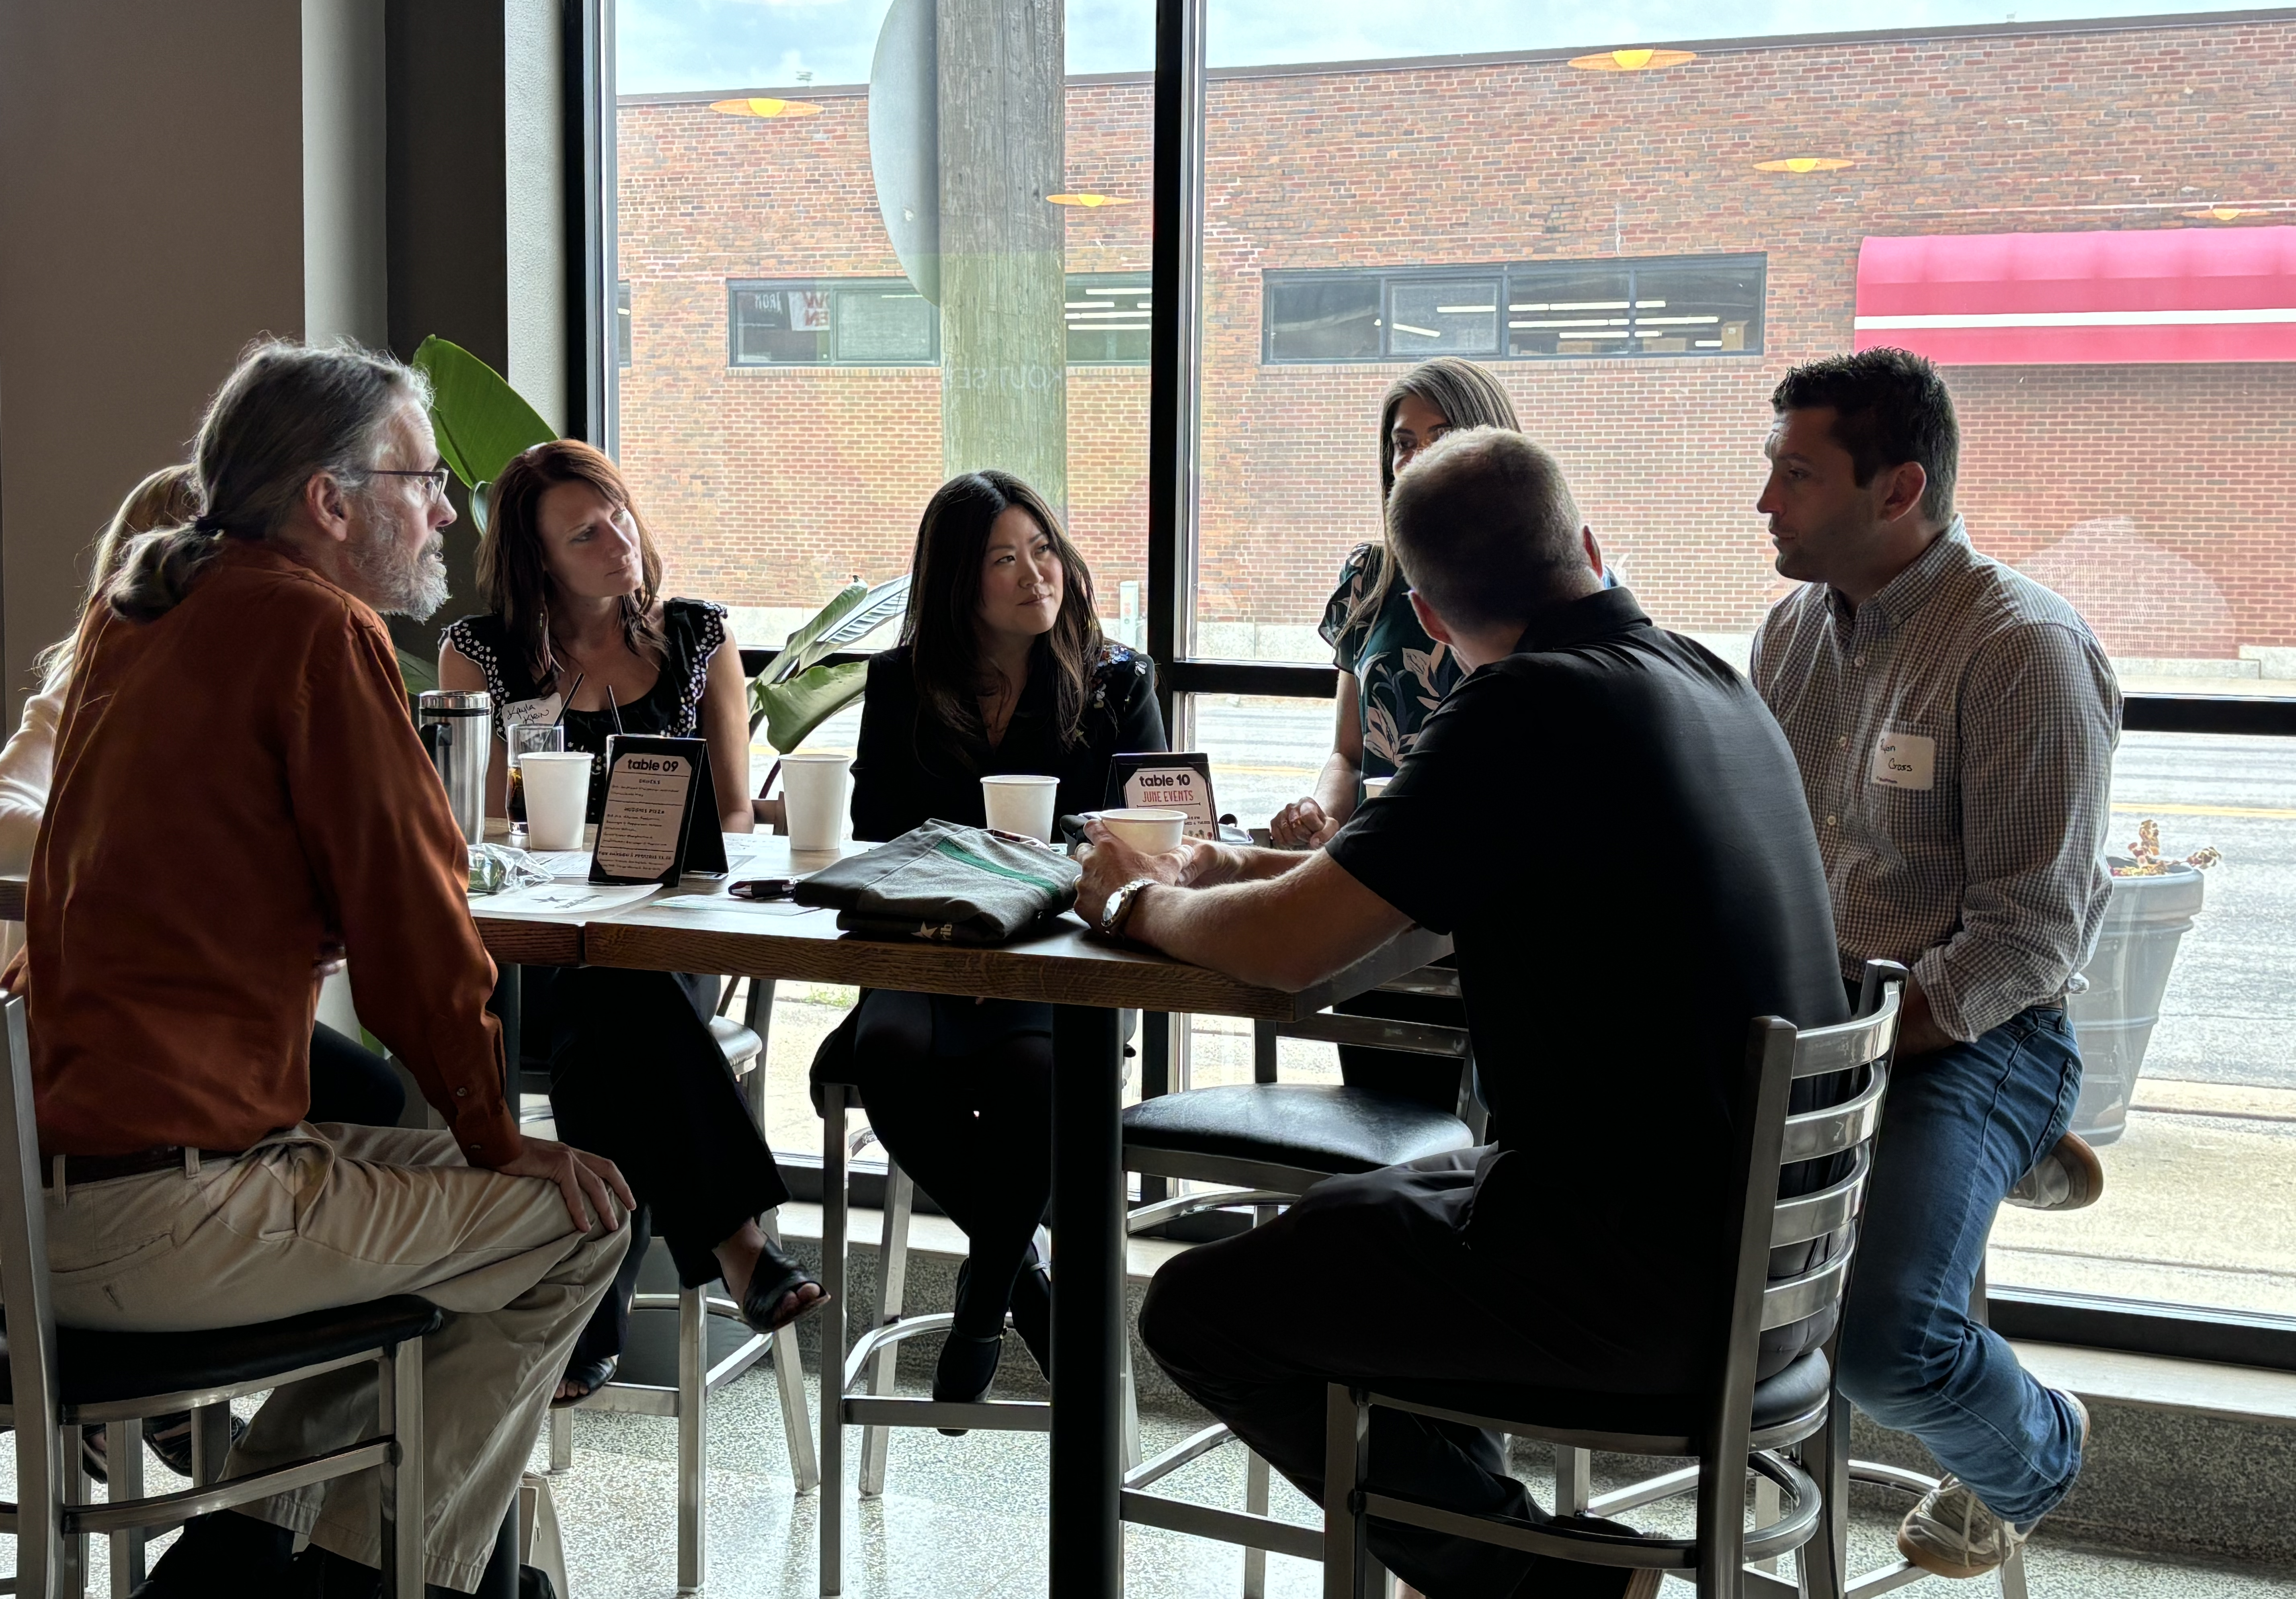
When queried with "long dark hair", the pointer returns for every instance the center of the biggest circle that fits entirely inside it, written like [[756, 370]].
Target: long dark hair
[[287, 410], [942, 626], [1468, 397], [515, 585]]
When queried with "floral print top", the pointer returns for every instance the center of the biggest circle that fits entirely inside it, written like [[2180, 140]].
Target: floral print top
[[1401, 674]]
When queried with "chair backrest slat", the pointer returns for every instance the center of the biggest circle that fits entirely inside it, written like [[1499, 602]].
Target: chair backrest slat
[[1769, 1142], [31, 1316]]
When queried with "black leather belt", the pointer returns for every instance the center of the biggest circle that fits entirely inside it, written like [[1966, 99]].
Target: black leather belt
[[98, 1168]]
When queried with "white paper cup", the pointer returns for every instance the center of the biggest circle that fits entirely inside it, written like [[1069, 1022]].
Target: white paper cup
[[1022, 804], [1150, 829], [1373, 787], [813, 795], [557, 797]]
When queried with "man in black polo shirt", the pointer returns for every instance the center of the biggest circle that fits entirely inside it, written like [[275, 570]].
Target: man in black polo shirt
[[1610, 826]]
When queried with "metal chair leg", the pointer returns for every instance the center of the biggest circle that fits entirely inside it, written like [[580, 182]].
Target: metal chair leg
[[1255, 1503], [1822, 1565], [834, 1199], [404, 1504], [1130, 1420], [693, 1438], [71, 1567], [2013, 1576], [561, 1440], [1347, 1440], [789, 1372], [1574, 1481], [123, 1456], [892, 1291], [1768, 1507], [758, 1018], [210, 1442]]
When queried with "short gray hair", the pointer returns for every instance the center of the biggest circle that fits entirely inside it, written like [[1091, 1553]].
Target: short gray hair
[[1485, 527], [289, 410]]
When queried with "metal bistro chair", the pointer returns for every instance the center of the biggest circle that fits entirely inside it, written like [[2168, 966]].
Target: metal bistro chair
[[1738, 1426], [59, 1381], [710, 1354], [865, 1397], [1269, 1142]]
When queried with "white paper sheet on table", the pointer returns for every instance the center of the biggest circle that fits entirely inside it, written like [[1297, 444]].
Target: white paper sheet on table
[[563, 863], [726, 902], [565, 900]]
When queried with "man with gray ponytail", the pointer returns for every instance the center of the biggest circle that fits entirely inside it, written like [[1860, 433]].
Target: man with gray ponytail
[[235, 733]]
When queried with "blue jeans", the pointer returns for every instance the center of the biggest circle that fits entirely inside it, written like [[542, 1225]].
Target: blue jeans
[[1960, 1128]]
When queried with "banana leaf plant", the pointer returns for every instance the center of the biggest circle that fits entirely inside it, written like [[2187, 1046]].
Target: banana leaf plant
[[480, 421], [802, 690]]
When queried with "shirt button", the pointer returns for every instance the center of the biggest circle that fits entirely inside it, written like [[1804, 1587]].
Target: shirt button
[[1857, 660], [462, 1094], [1842, 743], [1829, 821]]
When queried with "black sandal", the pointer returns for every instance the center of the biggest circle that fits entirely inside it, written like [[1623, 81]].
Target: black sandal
[[777, 1276], [592, 1375]]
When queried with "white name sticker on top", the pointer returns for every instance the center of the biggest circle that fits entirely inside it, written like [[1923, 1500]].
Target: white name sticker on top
[[1905, 760]]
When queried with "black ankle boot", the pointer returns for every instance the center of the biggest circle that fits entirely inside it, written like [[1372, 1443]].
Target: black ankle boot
[[966, 1367], [225, 1556], [1032, 1310]]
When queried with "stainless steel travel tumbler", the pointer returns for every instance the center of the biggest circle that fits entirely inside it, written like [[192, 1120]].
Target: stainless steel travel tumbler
[[457, 727]]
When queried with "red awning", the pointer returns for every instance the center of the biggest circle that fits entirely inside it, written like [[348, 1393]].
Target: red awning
[[2019, 299]]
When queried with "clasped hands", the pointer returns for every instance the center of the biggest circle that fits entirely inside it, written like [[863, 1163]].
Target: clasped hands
[[1110, 863]]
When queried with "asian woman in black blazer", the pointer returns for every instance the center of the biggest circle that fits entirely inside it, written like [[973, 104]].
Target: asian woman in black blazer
[[1001, 668]]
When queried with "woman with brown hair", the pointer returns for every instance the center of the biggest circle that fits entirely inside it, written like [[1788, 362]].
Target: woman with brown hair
[[1001, 668], [572, 584]]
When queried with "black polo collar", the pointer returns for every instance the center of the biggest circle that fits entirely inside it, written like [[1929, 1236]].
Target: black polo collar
[[1598, 615]]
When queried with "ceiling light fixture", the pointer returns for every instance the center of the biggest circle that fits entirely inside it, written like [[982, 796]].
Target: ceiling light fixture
[[1632, 61], [2224, 213], [1806, 163], [1089, 202], [765, 106]]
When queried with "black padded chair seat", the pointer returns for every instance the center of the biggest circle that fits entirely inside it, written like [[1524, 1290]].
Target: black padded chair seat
[[94, 1368], [1800, 1389], [1317, 1127], [734, 1041]]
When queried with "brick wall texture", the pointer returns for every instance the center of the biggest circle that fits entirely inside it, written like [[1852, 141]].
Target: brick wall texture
[[2158, 497]]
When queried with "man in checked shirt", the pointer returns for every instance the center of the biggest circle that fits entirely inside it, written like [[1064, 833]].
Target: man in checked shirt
[[1954, 725]]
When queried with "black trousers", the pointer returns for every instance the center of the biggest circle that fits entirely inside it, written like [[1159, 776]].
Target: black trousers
[[634, 1076], [1371, 1277], [351, 1083], [961, 1095]]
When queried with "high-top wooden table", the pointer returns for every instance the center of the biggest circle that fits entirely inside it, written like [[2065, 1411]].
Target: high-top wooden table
[[1086, 980]]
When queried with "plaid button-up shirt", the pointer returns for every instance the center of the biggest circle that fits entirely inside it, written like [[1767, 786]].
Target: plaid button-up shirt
[[1956, 737]]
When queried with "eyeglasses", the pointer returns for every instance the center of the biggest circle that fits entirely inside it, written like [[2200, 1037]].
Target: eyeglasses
[[436, 475]]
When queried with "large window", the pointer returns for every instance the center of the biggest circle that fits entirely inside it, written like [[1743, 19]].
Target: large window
[[1638, 260], [1536, 310]]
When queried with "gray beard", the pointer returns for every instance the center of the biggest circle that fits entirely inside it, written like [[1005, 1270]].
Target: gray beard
[[399, 583]]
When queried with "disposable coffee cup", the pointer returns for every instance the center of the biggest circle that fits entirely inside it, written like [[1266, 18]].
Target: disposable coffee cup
[[557, 797], [1150, 829], [1021, 805], [813, 797], [1373, 787]]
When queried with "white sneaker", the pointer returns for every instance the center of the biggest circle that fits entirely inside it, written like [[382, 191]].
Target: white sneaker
[[1950, 1533], [2068, 1177]]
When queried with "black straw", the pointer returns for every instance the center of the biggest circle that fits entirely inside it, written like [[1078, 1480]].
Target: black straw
[[614, 708], [567, 704]]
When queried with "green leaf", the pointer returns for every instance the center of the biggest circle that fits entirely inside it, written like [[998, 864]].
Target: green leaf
[[481, 421], [793, 710], [420, 675], [806, 636], [847, 620]]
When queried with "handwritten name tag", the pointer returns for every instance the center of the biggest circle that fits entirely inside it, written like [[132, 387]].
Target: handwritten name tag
[[1905, 760]]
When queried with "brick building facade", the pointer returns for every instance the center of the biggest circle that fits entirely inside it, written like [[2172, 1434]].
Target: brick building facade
[[2155, 496]]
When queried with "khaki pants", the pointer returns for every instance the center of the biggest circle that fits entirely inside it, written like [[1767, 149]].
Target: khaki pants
[[322, 1216]]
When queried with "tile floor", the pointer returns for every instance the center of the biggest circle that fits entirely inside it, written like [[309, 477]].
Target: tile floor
[[962, 1519]]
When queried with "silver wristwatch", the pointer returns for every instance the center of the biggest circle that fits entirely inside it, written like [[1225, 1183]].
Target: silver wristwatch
[[1118, 909]]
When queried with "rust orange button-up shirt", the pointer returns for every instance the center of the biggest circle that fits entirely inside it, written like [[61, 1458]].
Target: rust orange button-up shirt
[[237, 784]]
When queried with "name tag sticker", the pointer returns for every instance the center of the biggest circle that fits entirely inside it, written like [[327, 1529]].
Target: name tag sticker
[[1905, 760]]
